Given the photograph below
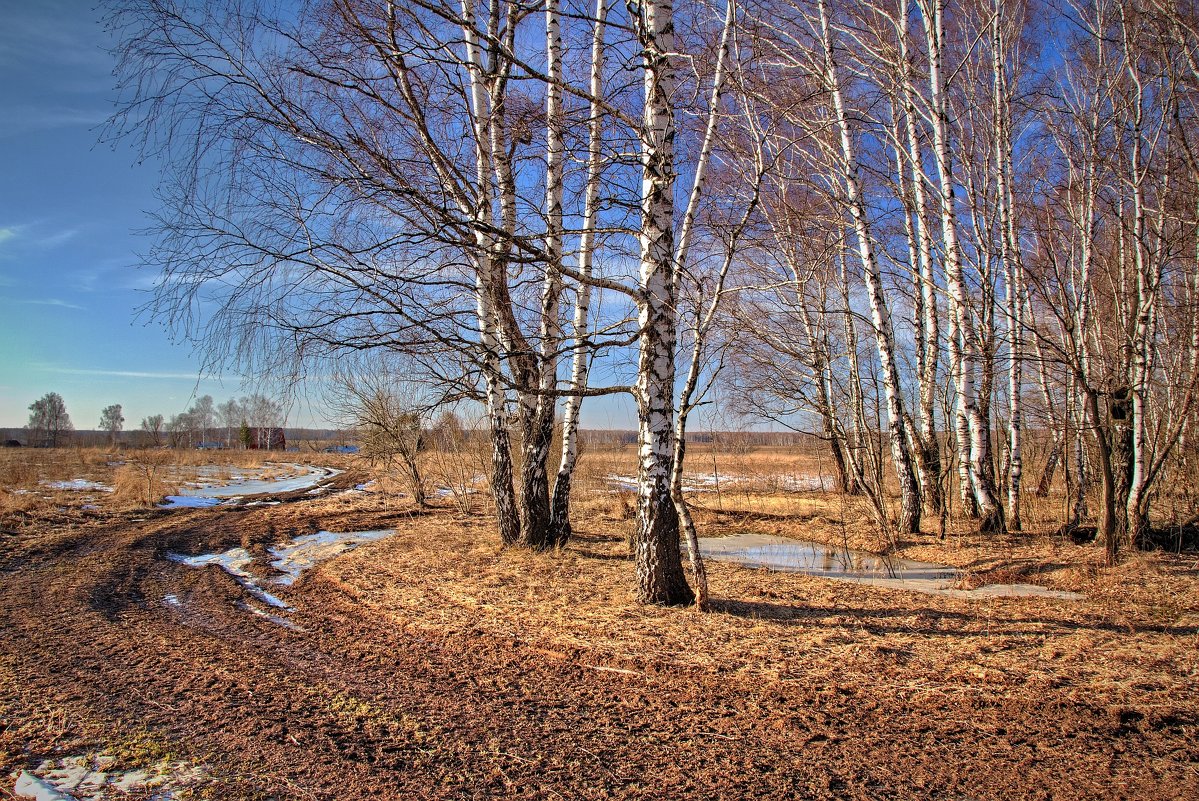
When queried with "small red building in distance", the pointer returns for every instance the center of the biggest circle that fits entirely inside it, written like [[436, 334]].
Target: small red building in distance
[[266, 439]]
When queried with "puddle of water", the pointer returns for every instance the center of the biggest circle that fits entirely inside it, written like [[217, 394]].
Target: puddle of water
[[202, 495], [187, 502], [859, 567], [302, 477]]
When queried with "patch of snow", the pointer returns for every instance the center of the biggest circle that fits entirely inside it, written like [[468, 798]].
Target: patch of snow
[[307, 551], [278, 620], [234, 562], [77, 485], [30, 786], [290, 558], [82, 778], [627, 483], [448, 492]]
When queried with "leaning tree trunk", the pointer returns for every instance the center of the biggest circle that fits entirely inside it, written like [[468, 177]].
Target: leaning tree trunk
[[909, 519], [822, 379], [560, 503], [981, 478], [660, 577]]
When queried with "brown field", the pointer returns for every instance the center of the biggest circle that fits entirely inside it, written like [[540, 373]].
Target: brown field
[[433, 664]]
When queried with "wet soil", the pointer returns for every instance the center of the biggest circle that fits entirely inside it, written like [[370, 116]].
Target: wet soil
[[407, 682]]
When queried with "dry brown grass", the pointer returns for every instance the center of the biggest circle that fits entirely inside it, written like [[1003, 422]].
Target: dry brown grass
[[1131, 642], [145, 480]]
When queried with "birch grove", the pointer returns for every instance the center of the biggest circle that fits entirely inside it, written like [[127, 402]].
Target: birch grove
[[958, 242]]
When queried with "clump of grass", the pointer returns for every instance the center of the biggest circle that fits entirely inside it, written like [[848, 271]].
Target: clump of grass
[[144, 481], [20, 504], [141, 748], [16, 469]]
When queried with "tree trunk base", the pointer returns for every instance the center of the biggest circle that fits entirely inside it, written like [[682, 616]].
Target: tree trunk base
[[658, 555]]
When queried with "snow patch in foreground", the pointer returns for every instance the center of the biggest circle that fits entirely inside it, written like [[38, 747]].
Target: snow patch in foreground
[[83, 778], [291, 559], [234, 562]]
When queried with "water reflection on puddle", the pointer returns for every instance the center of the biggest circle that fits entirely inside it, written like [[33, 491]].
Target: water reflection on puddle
[[248, 482], [860, 567]]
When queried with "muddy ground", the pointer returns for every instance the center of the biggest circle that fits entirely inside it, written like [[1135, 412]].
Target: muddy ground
[[435, 665]]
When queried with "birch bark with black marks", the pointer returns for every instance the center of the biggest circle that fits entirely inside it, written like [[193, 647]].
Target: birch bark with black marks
[[705, 318], [973, 428], [656, 552], [926, 317], [501, 479], [1010, 257]]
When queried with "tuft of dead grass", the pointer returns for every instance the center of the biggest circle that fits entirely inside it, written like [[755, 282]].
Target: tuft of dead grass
[[143, 483]]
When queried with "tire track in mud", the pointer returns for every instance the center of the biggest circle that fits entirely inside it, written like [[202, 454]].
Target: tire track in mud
[[360, 705]]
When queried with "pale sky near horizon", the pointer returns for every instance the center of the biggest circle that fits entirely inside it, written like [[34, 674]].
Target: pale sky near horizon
[[70, 210]]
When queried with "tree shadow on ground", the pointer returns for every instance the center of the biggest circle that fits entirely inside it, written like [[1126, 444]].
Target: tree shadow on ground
[[898, 620]]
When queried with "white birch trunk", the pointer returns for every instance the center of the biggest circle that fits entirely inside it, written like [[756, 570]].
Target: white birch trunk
[[702, 326], [502, 491], [656, 553], [991, 512], [927, 321], [1012, 265], [909, 522], [580, 358]]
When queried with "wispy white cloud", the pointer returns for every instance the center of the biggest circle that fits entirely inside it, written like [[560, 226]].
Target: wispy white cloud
[[51, 302], [38, 234], [25, 118], [122, 373], [58, 238]]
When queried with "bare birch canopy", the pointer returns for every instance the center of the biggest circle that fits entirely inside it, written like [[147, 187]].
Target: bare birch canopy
[[919, 229]]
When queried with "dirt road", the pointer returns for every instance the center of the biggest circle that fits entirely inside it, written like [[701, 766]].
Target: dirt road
[[108, 646]]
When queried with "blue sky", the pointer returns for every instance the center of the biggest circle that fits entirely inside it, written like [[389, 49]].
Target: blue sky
[[69, 209]]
